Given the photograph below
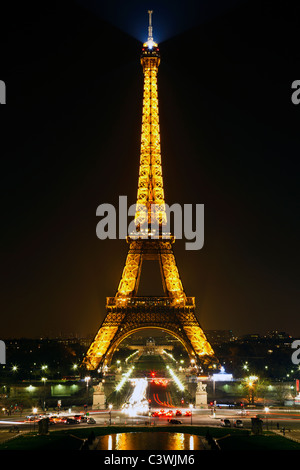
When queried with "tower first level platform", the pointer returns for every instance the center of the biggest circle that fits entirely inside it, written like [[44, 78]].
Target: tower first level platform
[[149, 312], [127, 312]]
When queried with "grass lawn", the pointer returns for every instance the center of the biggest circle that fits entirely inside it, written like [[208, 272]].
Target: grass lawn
[[150, 363]]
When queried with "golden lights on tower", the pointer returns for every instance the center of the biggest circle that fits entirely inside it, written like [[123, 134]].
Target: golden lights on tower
[[125, 313]]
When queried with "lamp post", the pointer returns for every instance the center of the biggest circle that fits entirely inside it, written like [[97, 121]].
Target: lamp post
[[87, 379], [267, 409], [110, 407], [44, 401], [34, 410], [251, 383], [191, 408], [149, 410]]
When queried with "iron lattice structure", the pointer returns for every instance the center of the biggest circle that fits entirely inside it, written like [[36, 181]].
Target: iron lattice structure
[[127, 312]]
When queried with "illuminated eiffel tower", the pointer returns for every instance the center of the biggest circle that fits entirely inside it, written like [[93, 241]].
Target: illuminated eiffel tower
[[127, 312]]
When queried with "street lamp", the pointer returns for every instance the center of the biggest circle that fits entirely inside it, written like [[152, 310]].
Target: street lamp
[[87, 379], [110, 407], [149, 409], [191, 408], [251, 382], [34, 411], [44, 380], [267, 409]]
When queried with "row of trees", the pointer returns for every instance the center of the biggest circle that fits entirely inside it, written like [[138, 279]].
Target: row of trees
[[254, 390]]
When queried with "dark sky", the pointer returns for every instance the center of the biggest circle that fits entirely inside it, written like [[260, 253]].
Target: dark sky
[[71, 136]]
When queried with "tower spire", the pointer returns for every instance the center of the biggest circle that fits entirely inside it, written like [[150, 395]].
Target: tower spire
[[150, 208], [150, 37]]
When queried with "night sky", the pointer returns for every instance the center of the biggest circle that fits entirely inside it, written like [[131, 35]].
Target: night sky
[[70, 136]]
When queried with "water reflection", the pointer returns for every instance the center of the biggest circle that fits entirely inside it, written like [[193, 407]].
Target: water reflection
[[150, 440]]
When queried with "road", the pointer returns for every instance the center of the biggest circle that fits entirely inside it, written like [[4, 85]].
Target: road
[[288, 419]]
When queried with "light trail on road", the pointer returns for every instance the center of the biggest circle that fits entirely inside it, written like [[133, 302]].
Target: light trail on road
[[137, 402], [176, 379], [124, 379]]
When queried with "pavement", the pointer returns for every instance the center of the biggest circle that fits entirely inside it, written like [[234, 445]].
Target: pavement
[[7, 435], [293, 435]]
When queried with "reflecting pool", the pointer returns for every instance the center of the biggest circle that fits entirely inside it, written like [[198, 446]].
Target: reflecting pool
[[150, 441]]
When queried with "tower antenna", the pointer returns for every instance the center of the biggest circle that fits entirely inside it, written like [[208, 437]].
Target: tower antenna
[[150, 37]]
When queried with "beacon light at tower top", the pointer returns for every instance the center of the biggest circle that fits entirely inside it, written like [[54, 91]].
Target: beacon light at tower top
[[150, 44]]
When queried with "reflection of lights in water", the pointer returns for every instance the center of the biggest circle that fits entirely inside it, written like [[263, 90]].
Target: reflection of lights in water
[[118, 441], [141, 441], [137, 403], [178, 442]]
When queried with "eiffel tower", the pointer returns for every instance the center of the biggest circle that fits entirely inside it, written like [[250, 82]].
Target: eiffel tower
[[127, 312]]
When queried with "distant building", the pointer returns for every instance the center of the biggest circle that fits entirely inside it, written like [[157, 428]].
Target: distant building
[[251, 337], [279, 335], [218, 337]]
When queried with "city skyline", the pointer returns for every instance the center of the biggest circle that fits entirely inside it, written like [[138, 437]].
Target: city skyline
[[229, 141]]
